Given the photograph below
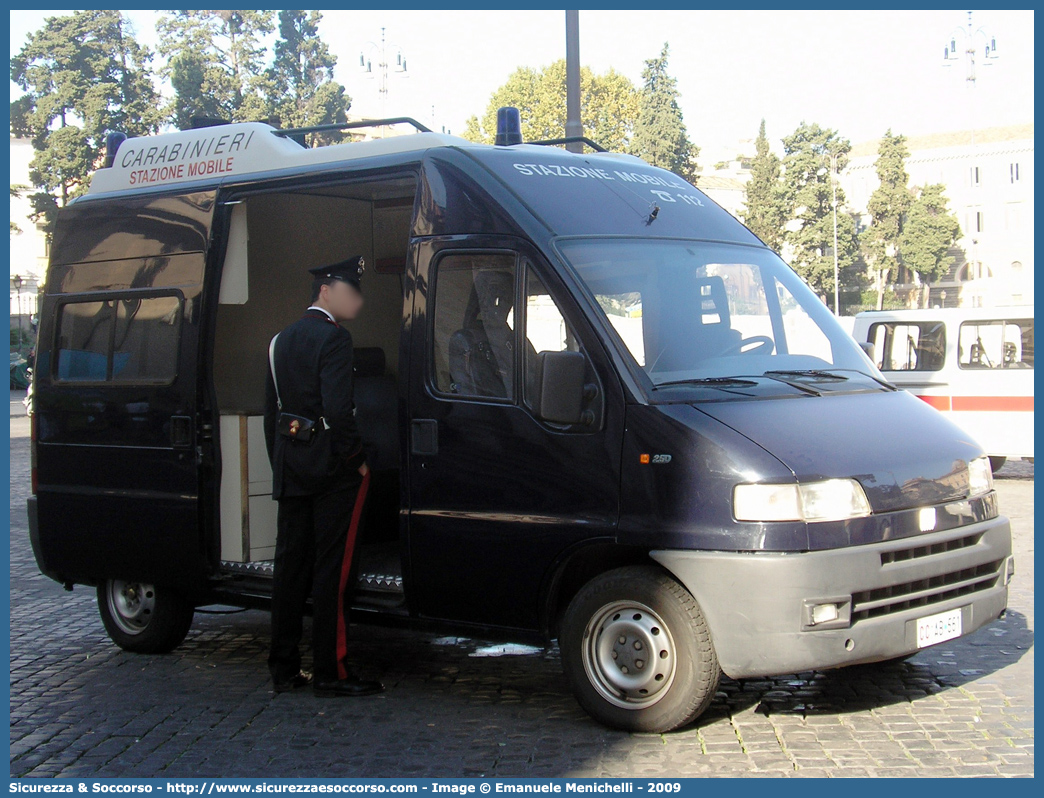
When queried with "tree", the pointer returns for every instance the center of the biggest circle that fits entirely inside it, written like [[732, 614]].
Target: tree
[[930, 232], [215, 62], [660, 136], [300, 85], [888, 206], [608, 106], [764, 212], [807, 194], [17, 191], [84, 75]]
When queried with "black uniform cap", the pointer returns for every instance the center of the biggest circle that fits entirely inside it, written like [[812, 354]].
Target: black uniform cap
[[350, 270]]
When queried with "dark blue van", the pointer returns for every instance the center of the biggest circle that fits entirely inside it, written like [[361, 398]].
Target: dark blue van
[[604, 413]]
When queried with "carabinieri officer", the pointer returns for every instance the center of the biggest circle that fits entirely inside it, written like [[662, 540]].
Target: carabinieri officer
[[318, 518]]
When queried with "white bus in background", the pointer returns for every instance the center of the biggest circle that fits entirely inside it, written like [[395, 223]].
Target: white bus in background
[[973, 364]]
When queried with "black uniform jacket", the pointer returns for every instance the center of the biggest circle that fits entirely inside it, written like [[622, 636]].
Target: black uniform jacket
[[313, 361]]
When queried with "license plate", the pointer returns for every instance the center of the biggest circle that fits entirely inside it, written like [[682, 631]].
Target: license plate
[[937, 628]]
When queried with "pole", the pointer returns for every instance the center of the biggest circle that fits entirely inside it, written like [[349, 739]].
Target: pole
[[574, 127], [833, 192]]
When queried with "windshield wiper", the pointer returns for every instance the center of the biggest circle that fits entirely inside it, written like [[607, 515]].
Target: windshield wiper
[[820, 373], [832, 375], [712, 381]]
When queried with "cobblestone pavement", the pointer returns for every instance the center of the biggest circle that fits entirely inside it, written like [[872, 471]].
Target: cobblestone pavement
[[81, 707]]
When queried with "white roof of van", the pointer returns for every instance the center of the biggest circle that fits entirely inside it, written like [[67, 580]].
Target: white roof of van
[[232, 150], [215, 153]]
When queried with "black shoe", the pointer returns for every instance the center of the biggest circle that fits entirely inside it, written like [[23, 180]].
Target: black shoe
[[353, 686], [299, 679]]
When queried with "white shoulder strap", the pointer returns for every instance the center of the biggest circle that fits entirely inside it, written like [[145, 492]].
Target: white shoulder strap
[[271, 365]]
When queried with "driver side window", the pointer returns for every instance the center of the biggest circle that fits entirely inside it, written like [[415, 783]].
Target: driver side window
[[474, 322]]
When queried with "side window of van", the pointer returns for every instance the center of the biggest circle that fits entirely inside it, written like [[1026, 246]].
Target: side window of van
[[127, 339], [474, 323], [908, 346], [546, 329], [84, 338], [996, 344], [145, 343]]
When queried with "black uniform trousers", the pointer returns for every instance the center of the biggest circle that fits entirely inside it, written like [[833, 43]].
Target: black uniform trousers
[[315, 543]]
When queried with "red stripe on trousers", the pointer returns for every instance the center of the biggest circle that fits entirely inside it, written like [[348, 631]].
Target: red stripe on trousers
[[346, 567]]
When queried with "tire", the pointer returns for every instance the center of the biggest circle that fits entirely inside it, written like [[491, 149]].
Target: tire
[[997, 463], [143, 618], [645, 608]]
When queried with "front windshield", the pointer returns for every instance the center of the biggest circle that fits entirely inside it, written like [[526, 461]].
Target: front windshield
[[692, 310]]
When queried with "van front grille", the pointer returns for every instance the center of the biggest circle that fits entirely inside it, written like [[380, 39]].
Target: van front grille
[[925, 592], [899, 555]]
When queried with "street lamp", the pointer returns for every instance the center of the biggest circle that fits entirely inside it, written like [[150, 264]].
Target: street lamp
[[17, 281], [973, 40], [381, 52]]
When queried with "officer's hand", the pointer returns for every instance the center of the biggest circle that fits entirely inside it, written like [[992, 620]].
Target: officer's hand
[[364, 469]]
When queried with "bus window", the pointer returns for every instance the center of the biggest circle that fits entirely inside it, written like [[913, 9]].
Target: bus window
[[996, 344], [909, 346]]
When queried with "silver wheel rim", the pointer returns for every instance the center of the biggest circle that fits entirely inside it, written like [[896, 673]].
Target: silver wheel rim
[[629, 655], [131, 605]]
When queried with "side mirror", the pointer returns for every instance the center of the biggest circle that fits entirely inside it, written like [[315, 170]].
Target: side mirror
[[560, 387], [868, 347]]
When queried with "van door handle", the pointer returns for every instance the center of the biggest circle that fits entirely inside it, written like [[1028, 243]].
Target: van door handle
[[181, 432], [424, 436]]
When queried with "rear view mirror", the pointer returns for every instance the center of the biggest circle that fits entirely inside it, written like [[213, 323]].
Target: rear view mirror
[[560, 387], [868, 347]]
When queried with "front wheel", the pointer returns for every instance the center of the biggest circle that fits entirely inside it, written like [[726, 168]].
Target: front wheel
[[143, 618], [637, 651]]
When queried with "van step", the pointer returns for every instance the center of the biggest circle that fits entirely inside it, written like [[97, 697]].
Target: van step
[[256, 568], [369, 581], [379, 583]]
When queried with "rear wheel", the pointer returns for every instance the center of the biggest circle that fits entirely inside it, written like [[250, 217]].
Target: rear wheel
[[637, 651], [143, 618]]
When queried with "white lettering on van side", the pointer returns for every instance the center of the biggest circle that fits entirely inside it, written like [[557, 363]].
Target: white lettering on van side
[[590, 173], [557, 170]]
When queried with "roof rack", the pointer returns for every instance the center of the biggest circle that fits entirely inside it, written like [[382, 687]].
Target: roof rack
[[571, 140], [298, 133]]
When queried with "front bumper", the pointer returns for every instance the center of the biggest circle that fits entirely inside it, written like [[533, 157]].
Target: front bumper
[[758, 605]]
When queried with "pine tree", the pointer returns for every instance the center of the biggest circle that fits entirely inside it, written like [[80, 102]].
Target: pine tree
[[660, 136], [84, 75], [931, 230], [608, 106], [807, 194], [215, 62], [300, 86], [888, 206], [764, 213]]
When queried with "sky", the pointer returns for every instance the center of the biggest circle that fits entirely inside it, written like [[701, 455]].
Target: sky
[[860, 72]]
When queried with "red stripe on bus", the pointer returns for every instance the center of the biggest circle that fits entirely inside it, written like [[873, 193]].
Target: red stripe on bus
[[1010, 403], [981, 403], [346, 567], [938, 402]]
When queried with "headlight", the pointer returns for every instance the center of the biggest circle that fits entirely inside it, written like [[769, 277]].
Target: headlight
[[980, 476], [830, 500]]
